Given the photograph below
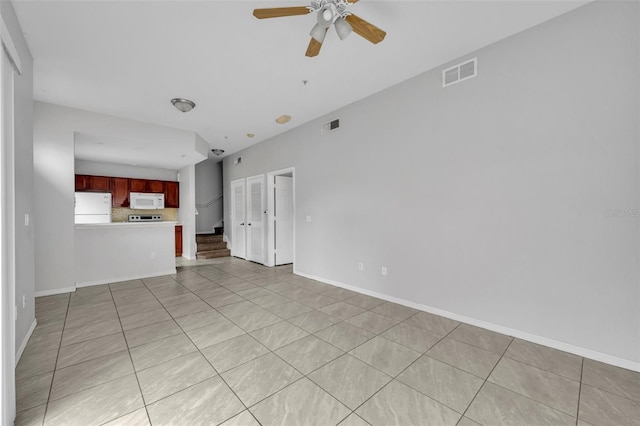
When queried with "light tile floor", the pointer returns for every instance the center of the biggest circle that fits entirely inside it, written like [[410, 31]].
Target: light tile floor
[[231, 342]]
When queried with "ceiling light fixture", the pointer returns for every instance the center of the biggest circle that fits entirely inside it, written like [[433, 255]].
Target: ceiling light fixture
[[318, 33], [283, 119], [342, 28], [217, 151], [184, 105], [250, 135]]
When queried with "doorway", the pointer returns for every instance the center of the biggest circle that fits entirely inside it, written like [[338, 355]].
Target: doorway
[[281, 218]]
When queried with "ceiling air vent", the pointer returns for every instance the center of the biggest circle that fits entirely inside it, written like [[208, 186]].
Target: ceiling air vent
[[330, 126], [460, 72]]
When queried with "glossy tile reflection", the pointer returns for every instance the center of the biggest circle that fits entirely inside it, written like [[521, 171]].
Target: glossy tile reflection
[[230, 342]]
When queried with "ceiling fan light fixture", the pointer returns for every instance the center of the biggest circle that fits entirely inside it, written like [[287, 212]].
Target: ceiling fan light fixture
[[342, 28], [326, 15], [184, 105], [318, 33]]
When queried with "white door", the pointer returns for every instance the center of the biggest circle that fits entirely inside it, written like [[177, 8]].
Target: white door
[[238, 223], [283, 220], [256, 214]]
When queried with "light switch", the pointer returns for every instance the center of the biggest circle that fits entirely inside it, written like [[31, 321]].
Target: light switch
[[308, 218], [26, 219]]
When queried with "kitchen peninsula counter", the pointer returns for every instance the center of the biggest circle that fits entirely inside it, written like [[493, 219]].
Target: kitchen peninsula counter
[[121, 251]]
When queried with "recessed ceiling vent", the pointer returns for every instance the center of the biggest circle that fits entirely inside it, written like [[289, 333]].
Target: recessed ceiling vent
[[460, 72], [330, 126]]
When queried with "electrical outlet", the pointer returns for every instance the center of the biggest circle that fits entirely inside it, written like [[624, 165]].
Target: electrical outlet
[[360, 266], [24, 301], [384, 270], [153, 255]]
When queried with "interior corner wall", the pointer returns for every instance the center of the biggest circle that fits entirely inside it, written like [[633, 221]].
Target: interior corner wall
[[24, 181], [511, 198], [208, 189], [187, 211]]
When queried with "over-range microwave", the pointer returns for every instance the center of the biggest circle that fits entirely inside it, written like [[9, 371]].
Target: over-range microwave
[[146, 201]]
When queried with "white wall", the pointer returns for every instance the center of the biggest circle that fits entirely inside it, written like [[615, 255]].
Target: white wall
[[97, 168], [108, 253], [16, 179], [208, 187], [488, 200], [187, 212], [54, 128], [23, 178]]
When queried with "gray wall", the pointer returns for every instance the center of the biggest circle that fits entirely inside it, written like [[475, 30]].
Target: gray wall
[[98, 168], [23, 163], [491, 199], [208, 187]]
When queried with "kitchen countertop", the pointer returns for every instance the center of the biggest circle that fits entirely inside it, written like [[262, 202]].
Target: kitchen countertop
[[127, 224]]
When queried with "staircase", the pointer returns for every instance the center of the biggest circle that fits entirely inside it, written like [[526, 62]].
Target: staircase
[[211, 246]]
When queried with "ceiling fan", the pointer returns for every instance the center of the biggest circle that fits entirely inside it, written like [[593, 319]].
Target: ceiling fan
[[328, 12]]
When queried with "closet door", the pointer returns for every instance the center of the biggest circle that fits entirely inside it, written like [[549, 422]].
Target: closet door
[[256, 215], [238, 222]]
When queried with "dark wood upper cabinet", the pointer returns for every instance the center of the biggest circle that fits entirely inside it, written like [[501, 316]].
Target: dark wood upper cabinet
[[120, 188], [137, 185], [155, 186], [120, 197], [82, 182], [93, 183], [172, 194], [100, 183]]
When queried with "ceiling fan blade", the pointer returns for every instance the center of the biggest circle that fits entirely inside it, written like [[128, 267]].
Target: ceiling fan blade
[[276, 12], [365, 29], [314, 48]]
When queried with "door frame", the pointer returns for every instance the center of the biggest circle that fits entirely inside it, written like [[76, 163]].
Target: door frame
[[270, 261], [8, 308], [235, 238]]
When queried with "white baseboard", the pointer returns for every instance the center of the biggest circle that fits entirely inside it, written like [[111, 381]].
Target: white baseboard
[[23, 345], [126, 278], [54, 291], [566, 347]]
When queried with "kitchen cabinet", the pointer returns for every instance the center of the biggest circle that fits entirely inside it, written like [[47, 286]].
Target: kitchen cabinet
[[178, 240], [171, 194], [137, 185], [93, 183], [120, 193], [155, 186], [99, 183], [82, 182], [121, 187]]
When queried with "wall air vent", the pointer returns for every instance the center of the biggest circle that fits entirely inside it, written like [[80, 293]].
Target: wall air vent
[[460, 72], [237, 160], [330, 126]]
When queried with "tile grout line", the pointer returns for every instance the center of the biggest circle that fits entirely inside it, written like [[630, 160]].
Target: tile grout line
[[580, 391], [44, 416], [487, 378], [403, 370], [203, 356], [131, 359]]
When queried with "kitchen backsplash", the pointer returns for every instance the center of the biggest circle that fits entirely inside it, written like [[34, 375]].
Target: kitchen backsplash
[[121, 214]]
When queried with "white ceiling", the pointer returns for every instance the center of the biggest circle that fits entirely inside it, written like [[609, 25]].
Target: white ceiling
[[129, 58]]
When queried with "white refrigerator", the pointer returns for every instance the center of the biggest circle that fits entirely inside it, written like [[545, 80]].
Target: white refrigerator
[[93, 207]]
